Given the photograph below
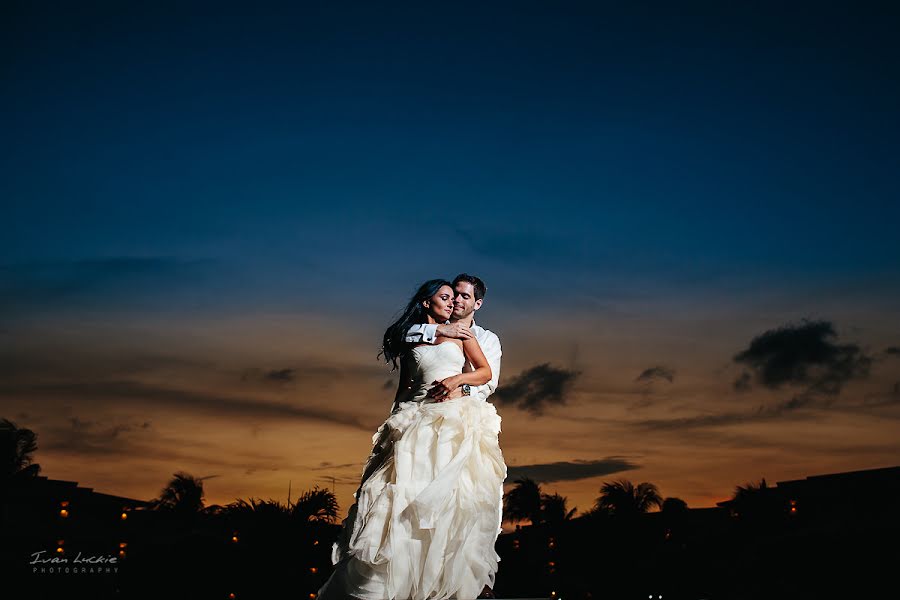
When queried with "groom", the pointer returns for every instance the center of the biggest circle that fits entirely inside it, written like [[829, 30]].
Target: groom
[[468, 297]]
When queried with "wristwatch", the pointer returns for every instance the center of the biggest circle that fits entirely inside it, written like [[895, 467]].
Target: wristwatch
[[466, 389]]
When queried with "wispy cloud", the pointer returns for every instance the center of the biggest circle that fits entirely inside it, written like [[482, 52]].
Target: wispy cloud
[[654, 373], [184, 399], [786, 410]]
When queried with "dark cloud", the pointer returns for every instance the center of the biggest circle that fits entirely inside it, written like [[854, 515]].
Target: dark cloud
[[569, 470], [536, 388], [803, 355], [657, 372], [329, 465]]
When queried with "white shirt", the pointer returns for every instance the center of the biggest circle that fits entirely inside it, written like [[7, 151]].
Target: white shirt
[[487, 339]]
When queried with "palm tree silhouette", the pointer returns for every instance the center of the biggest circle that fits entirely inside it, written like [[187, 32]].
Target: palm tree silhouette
[[258, 517], [749, 491], [553, 509], [674, 506], [182, 496], [756, 502], [523, 502], [316, 505], [623, 498]]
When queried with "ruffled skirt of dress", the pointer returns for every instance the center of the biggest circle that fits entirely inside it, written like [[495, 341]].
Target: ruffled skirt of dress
[[429, 508]]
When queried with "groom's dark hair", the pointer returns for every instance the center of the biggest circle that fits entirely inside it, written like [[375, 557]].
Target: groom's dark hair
[[478, 284]]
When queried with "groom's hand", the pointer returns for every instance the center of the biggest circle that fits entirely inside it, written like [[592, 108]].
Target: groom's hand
[[455, 330]]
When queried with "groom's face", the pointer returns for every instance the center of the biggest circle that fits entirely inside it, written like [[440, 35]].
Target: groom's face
[[464, 302]]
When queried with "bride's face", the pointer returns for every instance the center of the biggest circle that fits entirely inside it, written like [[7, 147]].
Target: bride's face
[[440, 306]]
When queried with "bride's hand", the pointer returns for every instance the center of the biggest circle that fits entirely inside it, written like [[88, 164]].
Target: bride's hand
[[456, 393], [443, 390]]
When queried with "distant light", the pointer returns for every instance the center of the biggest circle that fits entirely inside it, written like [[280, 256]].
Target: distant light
[[63, 513], [124, 516], [313, 570]]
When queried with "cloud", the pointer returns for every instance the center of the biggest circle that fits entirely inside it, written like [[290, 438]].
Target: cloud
[[657, 372], [802, 355], [523, 246], [536, 388], [569, 470]]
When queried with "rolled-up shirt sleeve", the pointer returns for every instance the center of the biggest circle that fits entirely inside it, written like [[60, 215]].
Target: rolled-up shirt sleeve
[[490, 345], [422, 332]]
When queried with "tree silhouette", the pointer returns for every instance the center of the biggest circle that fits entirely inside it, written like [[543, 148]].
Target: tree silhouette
[[623, 498], [316, 505], [523, 502], [258, 517], [553, 509], [17, 445], [183, 495], [258, 508]]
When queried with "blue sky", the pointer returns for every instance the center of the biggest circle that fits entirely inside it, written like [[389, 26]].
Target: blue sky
[[596, 163]]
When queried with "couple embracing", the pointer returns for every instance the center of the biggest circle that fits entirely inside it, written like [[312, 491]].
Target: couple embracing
[[429, 507]]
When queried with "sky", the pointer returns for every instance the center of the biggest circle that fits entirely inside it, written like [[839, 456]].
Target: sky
[[686, 217]]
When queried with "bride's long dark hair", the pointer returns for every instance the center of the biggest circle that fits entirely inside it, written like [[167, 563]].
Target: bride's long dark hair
[[394, 344]]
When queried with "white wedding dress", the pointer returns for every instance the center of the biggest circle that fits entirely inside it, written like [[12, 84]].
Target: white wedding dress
[[429, 508]]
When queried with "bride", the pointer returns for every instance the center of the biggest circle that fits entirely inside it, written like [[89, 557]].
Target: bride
[[428, 508]]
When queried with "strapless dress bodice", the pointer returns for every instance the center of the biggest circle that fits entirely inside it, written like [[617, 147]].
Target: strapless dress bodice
[[432, 363]]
